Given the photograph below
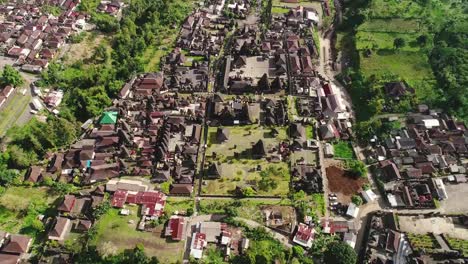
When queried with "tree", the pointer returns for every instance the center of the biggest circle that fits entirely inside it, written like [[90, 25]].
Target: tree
[[247, 191], [62, 188], [190, 211], [11, 76], [19, 159], [399, 43], [101, 209], [356, 199], [339, 253], [357, 168], [422, 40]]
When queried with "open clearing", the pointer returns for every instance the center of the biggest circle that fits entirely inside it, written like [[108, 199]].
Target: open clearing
[[408, 65], [14, 205], [340, 183], [436, 225], [116, 233], [12, 110], [85, 49]]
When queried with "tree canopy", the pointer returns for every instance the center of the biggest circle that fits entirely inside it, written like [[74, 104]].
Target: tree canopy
[[339, 253], [10, 76]]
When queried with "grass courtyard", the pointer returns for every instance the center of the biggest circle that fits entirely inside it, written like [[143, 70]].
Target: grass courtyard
[[12, 110], [116, 233], [241, 169], [343, 150]]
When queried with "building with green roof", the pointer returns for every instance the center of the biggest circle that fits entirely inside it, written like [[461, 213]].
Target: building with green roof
[[108, 118]]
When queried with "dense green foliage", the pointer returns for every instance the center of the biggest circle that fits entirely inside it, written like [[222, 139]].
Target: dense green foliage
[[449, 60], [10, 76], [356, 199], [340, 253], [30, 142], [356, 167]]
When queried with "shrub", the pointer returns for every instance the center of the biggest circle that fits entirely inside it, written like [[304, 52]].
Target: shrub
[[356, 199]]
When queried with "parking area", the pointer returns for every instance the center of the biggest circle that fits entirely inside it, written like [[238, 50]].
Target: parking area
[[436, 225], [456, 202]]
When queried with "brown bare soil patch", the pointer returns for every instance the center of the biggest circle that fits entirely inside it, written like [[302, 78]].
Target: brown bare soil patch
[[340, 182]]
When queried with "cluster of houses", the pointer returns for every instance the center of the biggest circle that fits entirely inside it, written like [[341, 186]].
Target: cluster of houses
[[75, 213], [246, 111], [147, 132], [229, 242], [33, 37], [385, 243], [264, 63], [14, 248], [416, 161], [127, 191]]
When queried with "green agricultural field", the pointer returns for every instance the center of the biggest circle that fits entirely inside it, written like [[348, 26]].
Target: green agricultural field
[[396, 25], [408, 65], [116, 233], [19, 206], [343, 150], [384, 41], [459, 244], [395, 8], [423, 242]]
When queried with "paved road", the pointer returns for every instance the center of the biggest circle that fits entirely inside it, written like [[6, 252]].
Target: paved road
[[324, 178]]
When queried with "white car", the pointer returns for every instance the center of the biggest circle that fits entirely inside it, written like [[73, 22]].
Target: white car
[[33, 112]]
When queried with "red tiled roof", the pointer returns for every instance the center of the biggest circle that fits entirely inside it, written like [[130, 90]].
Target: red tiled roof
[[176, 226], [304, 232], [67, 204], [119, 198]]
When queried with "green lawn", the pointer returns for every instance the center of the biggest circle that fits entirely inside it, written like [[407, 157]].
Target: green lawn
[[116, 233], [343, 150], [191, 59], [19, 206], [12, 110], [279, 10], [310, 132], [180, 204], [408, 65]]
